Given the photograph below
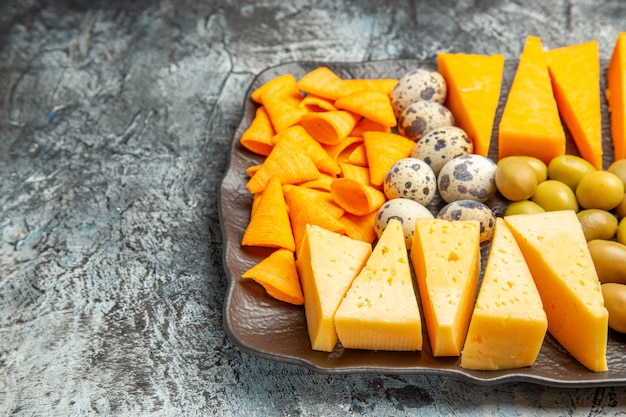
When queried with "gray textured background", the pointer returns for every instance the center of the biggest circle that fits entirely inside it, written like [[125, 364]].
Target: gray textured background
[[115, 121]]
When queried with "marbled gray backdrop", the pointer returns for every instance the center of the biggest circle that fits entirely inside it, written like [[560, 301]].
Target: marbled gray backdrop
[[115, 121]]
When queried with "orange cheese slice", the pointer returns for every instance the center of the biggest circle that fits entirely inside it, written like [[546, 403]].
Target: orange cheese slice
[[327, 264], [616, 95], [446, 259], [380, 310], [530, 123], [508, 324], [474, 82], [555, 249], [575, 74]]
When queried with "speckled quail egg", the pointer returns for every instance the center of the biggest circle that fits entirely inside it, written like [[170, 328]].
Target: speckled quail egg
[[467, 177], [471, 210], [411, 178], [420, 84], [441, 145], [406, 211], [423, 116]]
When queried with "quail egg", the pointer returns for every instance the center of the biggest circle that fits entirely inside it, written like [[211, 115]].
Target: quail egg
[[411, 178], [422, 116], [420, 84], [471, 210], [467, 177], [406, 211], [439, 146]]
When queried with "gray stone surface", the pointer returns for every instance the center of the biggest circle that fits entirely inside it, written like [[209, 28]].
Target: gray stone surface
[[115, 121]]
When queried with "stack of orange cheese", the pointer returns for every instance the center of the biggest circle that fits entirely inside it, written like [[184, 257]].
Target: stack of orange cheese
[[548, 85]]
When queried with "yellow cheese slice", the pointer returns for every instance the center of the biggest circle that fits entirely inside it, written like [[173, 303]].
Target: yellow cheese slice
[[327, 264], [555, 249], [446, 259], [380, 310], [508, 324]]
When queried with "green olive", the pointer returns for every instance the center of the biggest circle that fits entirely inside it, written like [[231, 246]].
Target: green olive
[[621, 232], [554, 195], [600, 189], [609, 258], [523, 207], [541, 169], [619, 168], [615, 302], [569, 169], [620, 209], [515, 179], [598, 224]]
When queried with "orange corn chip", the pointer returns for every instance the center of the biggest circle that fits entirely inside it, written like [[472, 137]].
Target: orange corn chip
[[287, 162], [258, 137], [371, 105], [256, 199], [354, 172], [381, 85], [383, 150], [323, 82], [276, 86], [312, 103], [269, 221], [310, 206], [346, 145], [279, 276], [355, 197], [282, 112], [322, 200], [329, 127], [358, 156], [305, 142], [252, 169], [322, 183], [366, 125], [360, 227]]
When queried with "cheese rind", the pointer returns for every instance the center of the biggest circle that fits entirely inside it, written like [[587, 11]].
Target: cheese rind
[[474, 83], [446, 260], [555, 249], [327, 264], [530, 123], [380, 310], [508, 324]]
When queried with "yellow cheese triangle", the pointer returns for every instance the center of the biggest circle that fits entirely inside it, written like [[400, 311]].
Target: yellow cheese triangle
[[530, 123], [474, 82], [327, 264], [555, 249], [508, 324], [446, 258], [575, 73], [380, 310]]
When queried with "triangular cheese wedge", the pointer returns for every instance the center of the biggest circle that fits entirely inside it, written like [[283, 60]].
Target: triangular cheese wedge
[[380, 310], [474, 82], [616, 95], [530, 123], [508, 324], [446, 258], [327, 263], [575, 74], [555, 249]]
